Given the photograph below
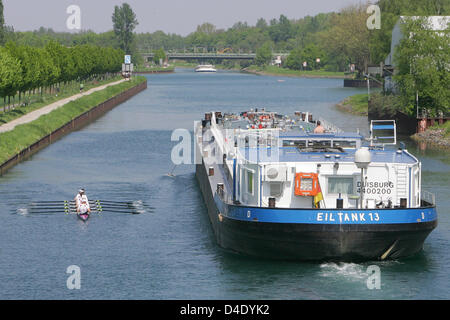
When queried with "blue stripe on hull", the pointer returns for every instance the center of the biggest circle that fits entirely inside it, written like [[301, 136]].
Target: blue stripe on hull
[[327, 216]]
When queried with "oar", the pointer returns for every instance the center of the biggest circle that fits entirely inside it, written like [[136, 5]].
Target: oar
[[52, 206], [51, 202], [121, 203], [105, 207], [120, 211], [49, 211], [114, 205], [124, 206], [90, 201], [114, 202], [55, 208], [170, 174]]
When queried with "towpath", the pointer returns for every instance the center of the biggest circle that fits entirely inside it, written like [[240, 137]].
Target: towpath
[[33, 115]]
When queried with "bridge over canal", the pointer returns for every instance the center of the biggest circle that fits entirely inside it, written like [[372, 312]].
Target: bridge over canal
[[209, 56]]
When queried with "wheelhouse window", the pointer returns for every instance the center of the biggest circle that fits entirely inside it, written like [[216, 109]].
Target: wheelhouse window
[[249, 182], [276, 189], [342, 185]]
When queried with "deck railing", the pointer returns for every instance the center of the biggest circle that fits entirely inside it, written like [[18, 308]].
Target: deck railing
[[428, 197], [330, 127]]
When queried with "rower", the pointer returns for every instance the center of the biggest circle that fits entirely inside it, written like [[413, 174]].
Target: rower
[[82, 202]]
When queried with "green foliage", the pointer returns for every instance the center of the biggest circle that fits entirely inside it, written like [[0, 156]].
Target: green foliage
[[342, 36], [308, 54], [124, 23], [10, 73], [159, 55], [391, 10], [264, 54], [281, 30], [423, 67], [43, 67], [357, 104], [386, 105], [348, 39], [2, 24], [261, 24], [295, 59]]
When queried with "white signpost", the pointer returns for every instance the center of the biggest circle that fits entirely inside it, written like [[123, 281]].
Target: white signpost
[[127, 67]]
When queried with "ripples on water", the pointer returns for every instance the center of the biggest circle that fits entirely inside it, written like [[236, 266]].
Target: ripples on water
[[170, 252]]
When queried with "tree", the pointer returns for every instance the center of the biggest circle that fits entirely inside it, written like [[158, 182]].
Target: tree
[[63, 60], [10, 74], [391, 10], [349, 37], [261, 23], [124, 23], [159, 55], [264, 54], [423, 67], [294, 60], [309, 54], [206, 28], [31, 69], [24, 68], [2, 25], [280, 30]]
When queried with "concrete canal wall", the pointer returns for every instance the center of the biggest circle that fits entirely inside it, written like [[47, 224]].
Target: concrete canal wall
[[357, 83], [75, 124]]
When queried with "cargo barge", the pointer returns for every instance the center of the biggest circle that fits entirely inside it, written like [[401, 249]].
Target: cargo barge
[[276, 189]]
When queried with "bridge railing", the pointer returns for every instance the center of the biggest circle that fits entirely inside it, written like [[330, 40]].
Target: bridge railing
[[210, 54], [205, 54]]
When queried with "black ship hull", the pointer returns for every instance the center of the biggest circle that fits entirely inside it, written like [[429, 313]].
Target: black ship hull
[[307, 241]]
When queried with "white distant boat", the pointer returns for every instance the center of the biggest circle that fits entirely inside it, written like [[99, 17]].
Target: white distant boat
[[205, 68]]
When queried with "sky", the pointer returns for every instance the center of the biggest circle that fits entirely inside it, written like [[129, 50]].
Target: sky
[[171, 16]]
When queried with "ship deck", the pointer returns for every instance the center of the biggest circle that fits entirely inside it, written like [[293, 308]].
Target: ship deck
[[294, 154]]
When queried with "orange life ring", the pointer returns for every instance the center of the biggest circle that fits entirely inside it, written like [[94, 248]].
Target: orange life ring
[[303, 187]]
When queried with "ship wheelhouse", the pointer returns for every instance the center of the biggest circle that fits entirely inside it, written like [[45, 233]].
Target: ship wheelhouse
[[278, 162]]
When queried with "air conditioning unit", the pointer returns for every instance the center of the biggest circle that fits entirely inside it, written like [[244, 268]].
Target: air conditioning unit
[[275, 173]]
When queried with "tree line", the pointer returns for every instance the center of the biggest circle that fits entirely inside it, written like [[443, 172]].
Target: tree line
[[338, 39], [25, 69], [328, 41], [2, 24]]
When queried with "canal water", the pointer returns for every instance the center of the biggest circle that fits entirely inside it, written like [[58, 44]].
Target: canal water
[[170, 252]]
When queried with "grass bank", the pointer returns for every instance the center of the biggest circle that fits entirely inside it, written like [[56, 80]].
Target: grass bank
[[22, 136], [46, 99], [154, 69], [357, 104], [276, 71], [184, 64]]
